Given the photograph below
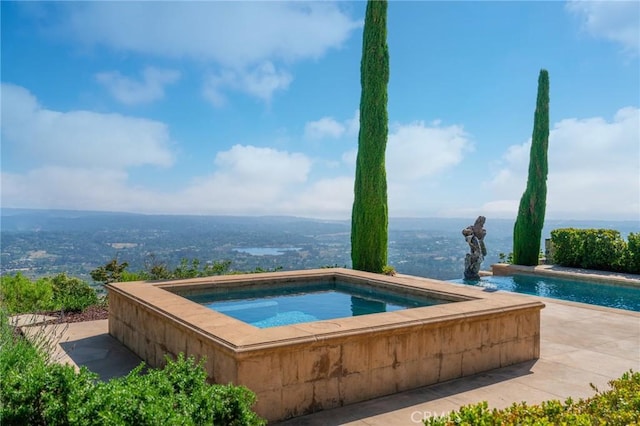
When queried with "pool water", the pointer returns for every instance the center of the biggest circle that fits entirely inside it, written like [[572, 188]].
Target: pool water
[[282, 305], [602, 294]]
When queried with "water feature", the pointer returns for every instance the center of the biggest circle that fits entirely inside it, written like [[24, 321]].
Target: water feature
[[284, 305], [595, 293], [300, 368]]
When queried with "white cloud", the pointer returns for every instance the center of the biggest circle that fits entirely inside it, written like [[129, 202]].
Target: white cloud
[[329, 127], [330, 198], [261, 82], [80, 138], [617, 21], [130, 91], [234, 34], [326, 127], [416, 151], [251, 43], [594, 167], [247, 180]]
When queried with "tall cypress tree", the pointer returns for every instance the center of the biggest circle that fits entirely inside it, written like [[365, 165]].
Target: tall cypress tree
[[369, 216], [528, 227]]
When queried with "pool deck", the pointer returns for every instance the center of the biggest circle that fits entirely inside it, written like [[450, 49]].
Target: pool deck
[[580, 344]]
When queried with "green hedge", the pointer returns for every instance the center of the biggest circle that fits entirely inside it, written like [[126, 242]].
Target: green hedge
[[35, 391], [599, 249], [618, 406], [19, 294]]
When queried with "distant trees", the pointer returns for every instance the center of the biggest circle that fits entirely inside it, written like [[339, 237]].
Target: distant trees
[[369, 216], [527, 230], [113, 271]]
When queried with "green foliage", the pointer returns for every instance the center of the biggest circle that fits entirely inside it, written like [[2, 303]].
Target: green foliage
[[530, 221], [600, 249], [632, 258], [111, 272], [177, 394], [72, 294], [618, 406], [35, 392], [369, 216], [19, 294], [389, 270], [158, 270]]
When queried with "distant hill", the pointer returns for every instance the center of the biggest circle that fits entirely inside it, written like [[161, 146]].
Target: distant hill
[[44, 242]]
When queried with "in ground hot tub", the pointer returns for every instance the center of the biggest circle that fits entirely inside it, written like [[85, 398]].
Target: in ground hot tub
[[312, 365]]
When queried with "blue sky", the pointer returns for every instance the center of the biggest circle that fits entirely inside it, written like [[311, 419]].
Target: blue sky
[[250, 108]]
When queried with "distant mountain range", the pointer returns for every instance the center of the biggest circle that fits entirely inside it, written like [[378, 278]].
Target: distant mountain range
[[14, 219], [43, 242]]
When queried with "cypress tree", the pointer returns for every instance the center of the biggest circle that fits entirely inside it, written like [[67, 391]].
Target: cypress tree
[[527, 231], [369, 216]]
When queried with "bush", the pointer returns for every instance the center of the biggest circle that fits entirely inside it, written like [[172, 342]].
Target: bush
[[632, 259], [618, 406], [178, 394], [567, 246], [72, 294], [603, 249], [19, 294], [22, 295], [600, 249], [37, 392]]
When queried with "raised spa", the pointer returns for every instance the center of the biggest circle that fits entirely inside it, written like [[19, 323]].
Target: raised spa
[[274, 306], [312, 365]]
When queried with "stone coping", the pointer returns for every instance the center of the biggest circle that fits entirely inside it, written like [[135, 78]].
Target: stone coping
[[568, 273], [240, 337]]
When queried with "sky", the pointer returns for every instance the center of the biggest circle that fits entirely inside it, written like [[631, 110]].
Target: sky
[[251, 107]]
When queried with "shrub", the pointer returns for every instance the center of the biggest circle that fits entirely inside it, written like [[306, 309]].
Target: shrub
[[567, 246], [19, 294], [22, 295], [72, 294], [632, 260], [619, 405], [37, 392], [601, 249]]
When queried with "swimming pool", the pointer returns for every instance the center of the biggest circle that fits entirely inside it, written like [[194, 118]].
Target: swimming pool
[[594, 293], [285, 305]]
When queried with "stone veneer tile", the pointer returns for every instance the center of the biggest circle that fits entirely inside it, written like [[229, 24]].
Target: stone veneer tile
[[356, 356], [481, 359], [450, 366], [381, 351], [261, 373], [326, 394], [221, 367], [299, 399], [269, 404], [356, 387]]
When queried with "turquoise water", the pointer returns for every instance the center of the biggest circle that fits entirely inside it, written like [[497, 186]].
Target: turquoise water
[[610, 295], [285, 305]]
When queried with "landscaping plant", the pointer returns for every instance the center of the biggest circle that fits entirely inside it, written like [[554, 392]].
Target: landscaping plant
[[530, 220], [618, 406], [19, 294], [36, 391], [369, 216]]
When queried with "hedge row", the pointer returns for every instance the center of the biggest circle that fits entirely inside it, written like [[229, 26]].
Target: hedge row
[[618, 406], [599, 249]]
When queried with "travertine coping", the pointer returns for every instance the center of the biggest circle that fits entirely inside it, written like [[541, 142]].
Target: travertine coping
[[302, 368]]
